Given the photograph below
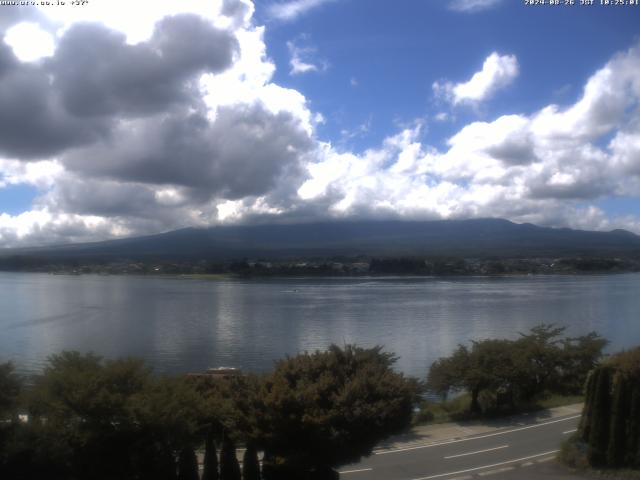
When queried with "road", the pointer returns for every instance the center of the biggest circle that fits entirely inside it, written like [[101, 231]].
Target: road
[[466, 457]]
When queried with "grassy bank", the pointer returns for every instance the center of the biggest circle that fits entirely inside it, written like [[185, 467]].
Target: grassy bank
[[573, 454], [457, 409]]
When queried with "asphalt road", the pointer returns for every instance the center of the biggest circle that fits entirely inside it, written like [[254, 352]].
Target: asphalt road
[[480, 455]]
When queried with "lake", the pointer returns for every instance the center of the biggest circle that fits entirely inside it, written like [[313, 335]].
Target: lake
[[187, 325]]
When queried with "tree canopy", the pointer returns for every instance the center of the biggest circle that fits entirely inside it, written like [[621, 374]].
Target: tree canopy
[[90, 418], [330, 408], [520, 370], [610, 424]]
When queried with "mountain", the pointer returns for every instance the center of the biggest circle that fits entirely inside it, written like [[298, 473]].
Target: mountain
[[466, 238]]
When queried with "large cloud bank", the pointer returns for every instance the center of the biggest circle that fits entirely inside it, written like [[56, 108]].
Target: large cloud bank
[[177, 122]]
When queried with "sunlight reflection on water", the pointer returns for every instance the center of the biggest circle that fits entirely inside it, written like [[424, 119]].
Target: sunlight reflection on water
[[181, 325]]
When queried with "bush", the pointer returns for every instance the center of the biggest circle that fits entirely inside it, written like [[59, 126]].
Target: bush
[[573, 453], [338, 404]]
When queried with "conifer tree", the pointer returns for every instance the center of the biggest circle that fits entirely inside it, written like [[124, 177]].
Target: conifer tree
[[617, 425], [587, 412], [229, 466], [632, 451], [599, 434], [210, 459], [268, 472], [188, 464], [250, 463]]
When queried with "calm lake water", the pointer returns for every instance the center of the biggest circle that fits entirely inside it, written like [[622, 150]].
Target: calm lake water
[[185, 325]]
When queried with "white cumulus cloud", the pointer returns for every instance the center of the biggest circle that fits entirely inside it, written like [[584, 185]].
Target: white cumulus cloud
[[470, 6], [200, 134], [497, 72], [302, 59], [290, 10]]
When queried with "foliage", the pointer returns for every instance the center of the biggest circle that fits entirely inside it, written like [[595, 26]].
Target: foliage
[[516, 372], [98, 419], [330, 408], [580, 355], [457, 408], [250, 463], [210, 471], [611, 417], [10, 387], [188, 465], [573, 453], [229, 466]]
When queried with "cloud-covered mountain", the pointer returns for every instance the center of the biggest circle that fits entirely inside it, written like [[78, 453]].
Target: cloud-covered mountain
[[468, 238], [170, 114]]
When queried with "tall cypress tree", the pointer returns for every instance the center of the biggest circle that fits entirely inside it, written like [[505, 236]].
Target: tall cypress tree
[[618, 423], [188, 464], [210, 459], [165, 467], [632, 457], [229, 466], [268, 472], [250, 463], [599, 434], [587, 412]]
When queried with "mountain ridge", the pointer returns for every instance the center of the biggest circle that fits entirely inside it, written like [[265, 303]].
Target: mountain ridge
[[468, 238]]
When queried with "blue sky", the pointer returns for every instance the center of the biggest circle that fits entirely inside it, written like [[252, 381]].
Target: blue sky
[[316, 109], [395, 54]]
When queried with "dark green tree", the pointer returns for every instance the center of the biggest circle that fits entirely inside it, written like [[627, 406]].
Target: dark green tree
[[250, 463], [632, 450], [83, 402], [210, 471], [326, 409], [188, 464], [599, 427], [580, 355], [587, 411], [517, 371], [610, 423], [229, 466], [10, 387], [487, 366], [110, 419], [618, 422], [538, 360], [447, 374]]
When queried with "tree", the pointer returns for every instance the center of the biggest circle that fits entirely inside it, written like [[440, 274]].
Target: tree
[[229, 466], [632, 450], [617, 427], [210, 471], [447, 374], [111, 419], [610, 423], [188, 464], [10, 387], [250, 463], [330, 408], [538, 360], [580, 355], [517, 371], [487, 366], [83, 402]]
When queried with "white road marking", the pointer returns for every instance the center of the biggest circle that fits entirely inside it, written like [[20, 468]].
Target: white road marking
[[487, 466], [543, 460], [537, 425], [496, 471], [570, 431], [479, 451], [355, 471]]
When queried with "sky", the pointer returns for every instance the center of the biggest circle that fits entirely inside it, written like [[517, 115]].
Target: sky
[[121, 118]]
